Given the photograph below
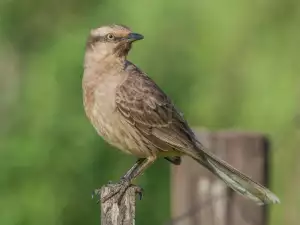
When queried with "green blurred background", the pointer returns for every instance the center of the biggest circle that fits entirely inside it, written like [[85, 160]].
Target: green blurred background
[[230, 64]]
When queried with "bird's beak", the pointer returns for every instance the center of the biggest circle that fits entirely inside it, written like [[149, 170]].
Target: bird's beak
[[134, 37]]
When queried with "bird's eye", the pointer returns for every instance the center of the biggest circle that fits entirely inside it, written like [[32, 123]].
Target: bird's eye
[[110, 37]]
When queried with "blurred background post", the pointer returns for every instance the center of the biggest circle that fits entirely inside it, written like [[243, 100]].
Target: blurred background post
[[227, 65]]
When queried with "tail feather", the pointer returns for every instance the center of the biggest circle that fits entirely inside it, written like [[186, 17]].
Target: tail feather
[[236, 180]]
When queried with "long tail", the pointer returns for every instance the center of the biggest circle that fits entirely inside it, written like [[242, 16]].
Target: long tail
[[235, 179]]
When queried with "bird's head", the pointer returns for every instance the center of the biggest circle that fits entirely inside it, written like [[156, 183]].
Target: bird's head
[[112, 40]]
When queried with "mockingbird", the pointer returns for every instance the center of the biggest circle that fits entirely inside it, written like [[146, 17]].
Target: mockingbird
[[129, 110]]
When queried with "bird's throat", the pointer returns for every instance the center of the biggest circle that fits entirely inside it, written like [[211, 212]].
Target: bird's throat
[[122, 49]]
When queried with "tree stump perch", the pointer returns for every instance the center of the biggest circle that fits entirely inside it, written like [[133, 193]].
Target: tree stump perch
[[113, 213]]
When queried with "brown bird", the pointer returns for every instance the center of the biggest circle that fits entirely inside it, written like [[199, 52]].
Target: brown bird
[[129, 110]]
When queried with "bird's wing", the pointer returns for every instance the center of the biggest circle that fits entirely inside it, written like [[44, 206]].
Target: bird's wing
[[146, 107]]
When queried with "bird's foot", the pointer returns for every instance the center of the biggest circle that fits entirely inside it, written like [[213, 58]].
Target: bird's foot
[[118, 191]]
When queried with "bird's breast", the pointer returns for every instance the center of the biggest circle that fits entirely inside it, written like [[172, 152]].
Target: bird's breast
[[100, 108], [99, 99]]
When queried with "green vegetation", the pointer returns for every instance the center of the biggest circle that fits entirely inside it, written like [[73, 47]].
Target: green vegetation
[[227, 65]]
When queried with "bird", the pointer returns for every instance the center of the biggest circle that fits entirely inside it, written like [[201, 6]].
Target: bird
[[132, 113]]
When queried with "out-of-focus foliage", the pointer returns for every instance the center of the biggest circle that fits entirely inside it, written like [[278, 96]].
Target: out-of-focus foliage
[[227, 64]]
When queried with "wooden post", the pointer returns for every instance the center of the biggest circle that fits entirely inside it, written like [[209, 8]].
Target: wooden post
[[198, 197], [114, 214]]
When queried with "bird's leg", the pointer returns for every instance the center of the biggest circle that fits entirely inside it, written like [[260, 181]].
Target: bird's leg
[[133, 168], [120, 183], [138, 162], [125, 181], [141, 168], [135, 172]]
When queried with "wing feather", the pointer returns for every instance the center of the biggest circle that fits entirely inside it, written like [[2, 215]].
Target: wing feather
[[146, 107]]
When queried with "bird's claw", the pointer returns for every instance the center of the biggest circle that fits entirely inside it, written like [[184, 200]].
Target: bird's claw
[[119, 190], [139, 191], [96, 192], [109, 182]]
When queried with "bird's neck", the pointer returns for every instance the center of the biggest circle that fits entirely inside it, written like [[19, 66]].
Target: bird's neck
[[97, 66], [102, 59]]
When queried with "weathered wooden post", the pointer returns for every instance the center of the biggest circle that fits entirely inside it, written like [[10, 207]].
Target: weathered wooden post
[[198, 197], [113, 213]]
